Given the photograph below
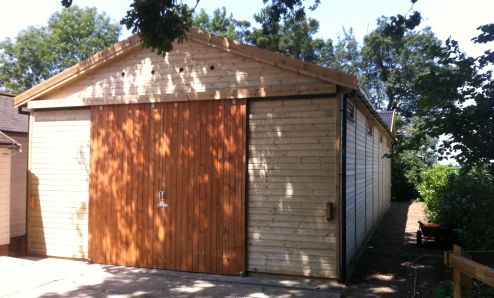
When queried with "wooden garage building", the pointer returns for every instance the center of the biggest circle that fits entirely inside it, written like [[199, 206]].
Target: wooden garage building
[[8, 147], [14, 124], [219, 157]]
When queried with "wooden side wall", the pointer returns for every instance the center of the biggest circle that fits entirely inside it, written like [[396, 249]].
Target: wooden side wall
[[360, 187], [18, 187], [292, 176], [351, 174], [4, 196], [369, 183], [368, 179], [58, 183]]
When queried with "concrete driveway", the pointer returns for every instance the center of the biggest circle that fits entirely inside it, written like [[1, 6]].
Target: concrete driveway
[[51, 277]]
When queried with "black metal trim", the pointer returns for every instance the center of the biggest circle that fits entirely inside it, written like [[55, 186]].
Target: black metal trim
[[21, 112], [343, 125]]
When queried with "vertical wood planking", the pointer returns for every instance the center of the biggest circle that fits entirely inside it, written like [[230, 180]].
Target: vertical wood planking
[[214, 187], [178, 199], [93, 189], [243, 190], [194, 151], [196, 189], [190, 186], [208, 185], [220, 210], [167, 167], [202, 190], [184, 184]]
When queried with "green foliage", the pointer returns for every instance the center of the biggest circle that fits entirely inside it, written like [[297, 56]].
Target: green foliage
[[159, 23], [458, 99], [462, 200], [432, 186], [412, 155], [391, 66], [221, 25], [444, 290], [38, 53], [294, 37], [347, 53]]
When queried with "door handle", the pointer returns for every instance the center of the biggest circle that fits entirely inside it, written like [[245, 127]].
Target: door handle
[[161, 194]]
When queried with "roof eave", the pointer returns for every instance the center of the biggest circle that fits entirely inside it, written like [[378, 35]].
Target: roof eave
[[6, 94], [236, 47], [364, 99], [72, 72]]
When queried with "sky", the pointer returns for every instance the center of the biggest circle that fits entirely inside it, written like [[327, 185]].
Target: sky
[[456, 18]]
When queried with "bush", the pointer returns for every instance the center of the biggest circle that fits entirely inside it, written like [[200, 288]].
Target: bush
[[433, 185], [462, 200]]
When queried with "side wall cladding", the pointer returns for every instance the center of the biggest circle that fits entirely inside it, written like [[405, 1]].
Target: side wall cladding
[[18, 188], [4, 196], [58, 183], [292, 176], [368, 178]]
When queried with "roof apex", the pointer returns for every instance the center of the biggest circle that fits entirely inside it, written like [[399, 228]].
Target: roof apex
[[228, 45]]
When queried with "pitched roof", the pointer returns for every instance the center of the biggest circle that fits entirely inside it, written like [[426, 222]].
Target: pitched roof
[[5, 140], [228, 45], [10, 119], [388, 118]]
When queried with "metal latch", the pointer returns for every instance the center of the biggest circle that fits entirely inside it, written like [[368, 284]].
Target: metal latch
[[161, 198]]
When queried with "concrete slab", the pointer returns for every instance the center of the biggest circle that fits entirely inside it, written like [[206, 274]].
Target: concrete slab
[[52, 277]]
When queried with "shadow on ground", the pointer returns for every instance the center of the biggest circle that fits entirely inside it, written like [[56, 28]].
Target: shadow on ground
[[384, 268], [50, 277]]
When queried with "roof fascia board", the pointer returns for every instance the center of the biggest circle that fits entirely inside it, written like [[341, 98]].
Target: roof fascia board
[[75, 71], [235, 47], [275, 59]]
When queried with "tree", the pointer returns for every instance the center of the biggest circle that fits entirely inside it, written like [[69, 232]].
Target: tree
[[293, 36], [160, 23], [392, 65], [38, 53], [221, 25], [413, 153], [459, 103], [347, 53]]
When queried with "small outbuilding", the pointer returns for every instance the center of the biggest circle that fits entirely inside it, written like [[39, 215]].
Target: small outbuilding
[[14, 124], [7, 147], [218, 157]]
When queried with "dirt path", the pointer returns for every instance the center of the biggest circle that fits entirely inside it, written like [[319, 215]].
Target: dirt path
[[384, 269]]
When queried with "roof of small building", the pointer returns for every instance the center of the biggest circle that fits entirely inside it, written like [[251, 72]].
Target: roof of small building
[[388, 117], [324, 74], [232, 46], [10, 119], [6, 141]]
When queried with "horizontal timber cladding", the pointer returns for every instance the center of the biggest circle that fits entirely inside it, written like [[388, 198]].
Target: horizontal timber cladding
[[368, 179], [292, 176], [350, 189], [195, 153], [4, 196], [18, 187], [191, 71], [58, 183]]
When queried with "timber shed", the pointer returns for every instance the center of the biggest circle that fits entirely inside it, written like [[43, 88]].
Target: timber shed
[[14, 124], [7, 147], [218, 157]]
